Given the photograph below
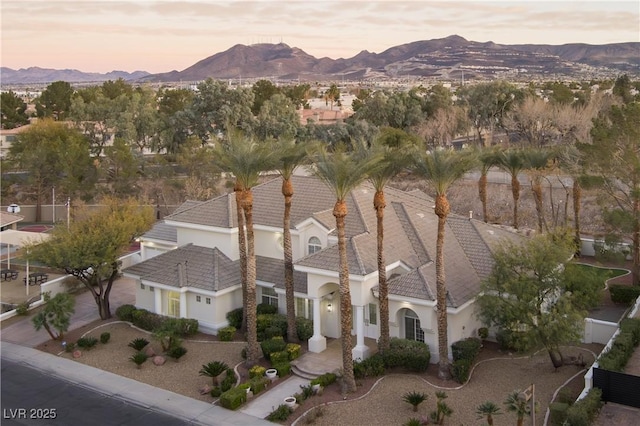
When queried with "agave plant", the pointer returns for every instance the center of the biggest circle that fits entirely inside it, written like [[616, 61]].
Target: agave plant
[[414, 398], [139, 358], [138, 343], [213, 370]]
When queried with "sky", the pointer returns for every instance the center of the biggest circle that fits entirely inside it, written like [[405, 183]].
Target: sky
[[161, 36]]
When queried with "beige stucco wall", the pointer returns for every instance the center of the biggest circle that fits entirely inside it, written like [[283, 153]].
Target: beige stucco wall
[[145, 299], [227, 242]]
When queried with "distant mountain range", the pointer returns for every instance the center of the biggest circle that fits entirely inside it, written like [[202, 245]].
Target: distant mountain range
[[448, 58], [48, 75]]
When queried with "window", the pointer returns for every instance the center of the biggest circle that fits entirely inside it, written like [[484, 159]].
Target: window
[[207, 300], [373, 314], [304, 308], [141, 286], [314, 245], [151, 288], [412, 329], [269, 296], [173, 304], [198, 299]]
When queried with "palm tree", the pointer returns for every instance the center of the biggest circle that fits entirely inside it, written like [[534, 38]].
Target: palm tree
[[571, 160], [488, 409], [414, 398], [512, 162], [393, 160], [537, 163], [213, 370], [442, 168], [487, 159], [290, 156], [342, 172], [518, 405], [246, 159]]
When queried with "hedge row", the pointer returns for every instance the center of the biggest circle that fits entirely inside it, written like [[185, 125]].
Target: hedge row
[[464, 353], [623, 346], [410, 354], [153, 322], [581, 413], [624, 294], [271, 324]]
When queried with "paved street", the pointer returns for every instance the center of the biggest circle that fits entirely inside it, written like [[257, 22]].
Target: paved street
[[31, 397]]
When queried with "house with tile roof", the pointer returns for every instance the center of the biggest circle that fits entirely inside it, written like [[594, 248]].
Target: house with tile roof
[[190, 262]]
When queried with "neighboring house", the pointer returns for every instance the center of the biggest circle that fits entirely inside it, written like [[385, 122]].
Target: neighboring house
[[191, 265], [9, 220], [8, 137]]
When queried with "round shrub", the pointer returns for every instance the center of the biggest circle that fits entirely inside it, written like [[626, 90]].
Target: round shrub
[[466, 349], [275, 344], [409, 354], [125, 312], [226, 334], [105, 337], [460, 370], [235, 318], [265, 308], [87, 342], [304, 328]]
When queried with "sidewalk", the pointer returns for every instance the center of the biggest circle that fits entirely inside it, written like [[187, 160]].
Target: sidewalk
[[262, 405], [19, 338]]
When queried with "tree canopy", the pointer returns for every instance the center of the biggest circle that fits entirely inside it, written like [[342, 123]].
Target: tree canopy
[[90, 248], [532, 295]]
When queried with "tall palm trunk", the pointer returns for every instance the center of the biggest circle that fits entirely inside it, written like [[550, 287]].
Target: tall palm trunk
[[287, 192], [442, 210], [482, 192], [635, 251], [252, 336], [242, 248], [346, 315], [379, 204], [536, 188], [515, 191], [577, 200]]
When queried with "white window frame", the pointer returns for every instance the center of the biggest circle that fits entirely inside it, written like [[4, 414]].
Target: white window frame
[[313, 247], [269, 296]]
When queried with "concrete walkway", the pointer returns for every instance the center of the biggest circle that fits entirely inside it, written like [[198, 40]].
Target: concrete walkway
[[263, 404]]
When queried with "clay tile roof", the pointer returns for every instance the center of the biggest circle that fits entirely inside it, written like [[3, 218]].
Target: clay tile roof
[[163, 232]]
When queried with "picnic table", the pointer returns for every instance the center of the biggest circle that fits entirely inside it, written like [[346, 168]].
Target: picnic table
[[36, 278], [9, 274]]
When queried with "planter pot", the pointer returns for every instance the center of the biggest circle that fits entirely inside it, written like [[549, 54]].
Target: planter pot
[[248, 391], [315, 388], [271, 373], [290, 401]]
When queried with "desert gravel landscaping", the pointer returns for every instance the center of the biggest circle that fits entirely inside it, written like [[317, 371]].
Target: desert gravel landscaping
[[377, 402]]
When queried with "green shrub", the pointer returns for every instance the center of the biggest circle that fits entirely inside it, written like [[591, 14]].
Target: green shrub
[[279, 357], [483, 333], [235, 318], [229, 380], [125, 312], [233, 398], [624, 294], [216, 392], [87, 342], [213, 370], [265, 308], [370, 367], [585, 411], [306, 393], [256, 371], [280, 414], [138, 343], [293, 349], [275, 344], [324, 380], [258, 384], [623, 346], [413, 422], [22, 309], [558, 413], [69, 347], [177, 352], [414, 399], [284, 369], [460, 370], [304, 328], [409, 354], [631, 325], [467, 349], [275, 323], [227, 334], [105, 337], [146, 320]]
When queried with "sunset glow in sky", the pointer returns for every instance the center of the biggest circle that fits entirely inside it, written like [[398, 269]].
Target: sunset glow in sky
[[160, 36]]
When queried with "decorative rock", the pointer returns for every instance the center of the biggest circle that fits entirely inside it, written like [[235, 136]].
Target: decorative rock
[[149, 351], [77, 354], [205, 390], [159, 360]]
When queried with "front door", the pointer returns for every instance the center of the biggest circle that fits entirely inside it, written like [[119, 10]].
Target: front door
[[330, 317]]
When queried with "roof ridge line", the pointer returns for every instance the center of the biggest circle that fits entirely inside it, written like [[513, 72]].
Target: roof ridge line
[[355, 202], [363, 271]]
